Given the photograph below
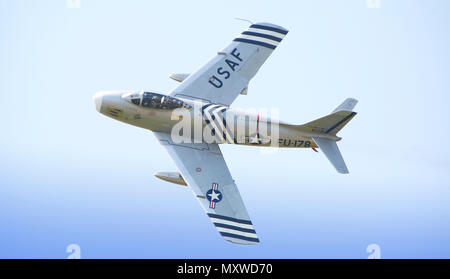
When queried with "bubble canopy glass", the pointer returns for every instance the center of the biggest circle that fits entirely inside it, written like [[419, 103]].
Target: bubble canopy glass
[[154, 100]]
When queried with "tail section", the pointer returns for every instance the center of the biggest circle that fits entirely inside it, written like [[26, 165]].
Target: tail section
[[334, 122], [331, 151], [330, 125], [348, 105]]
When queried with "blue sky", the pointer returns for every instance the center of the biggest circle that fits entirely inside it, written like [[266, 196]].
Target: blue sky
[[70, 175]]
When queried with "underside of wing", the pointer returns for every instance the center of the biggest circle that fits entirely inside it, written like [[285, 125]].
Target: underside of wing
[[206, 173], [227, 75]]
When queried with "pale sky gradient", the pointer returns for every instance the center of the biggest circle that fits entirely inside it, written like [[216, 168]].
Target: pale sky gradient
[[70, 175]]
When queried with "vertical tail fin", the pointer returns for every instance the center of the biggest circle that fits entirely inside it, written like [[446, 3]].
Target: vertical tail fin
[[348, 104], [334, 122]]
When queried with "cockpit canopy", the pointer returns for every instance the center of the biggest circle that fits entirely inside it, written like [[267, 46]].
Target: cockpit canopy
[[155, 100]]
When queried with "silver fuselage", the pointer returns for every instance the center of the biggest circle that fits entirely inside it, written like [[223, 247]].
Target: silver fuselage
[[228, 125]]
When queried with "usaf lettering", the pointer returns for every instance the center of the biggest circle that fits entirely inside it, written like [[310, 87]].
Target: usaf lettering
[[223, 71]]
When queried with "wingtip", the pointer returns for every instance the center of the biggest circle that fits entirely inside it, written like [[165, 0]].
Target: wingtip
[[343, 171], [276, 27], [242, 242]]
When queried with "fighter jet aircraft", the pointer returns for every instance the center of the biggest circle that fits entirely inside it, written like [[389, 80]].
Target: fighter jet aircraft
[[202, 102]]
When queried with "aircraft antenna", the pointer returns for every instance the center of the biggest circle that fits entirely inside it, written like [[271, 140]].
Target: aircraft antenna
[[243, 19]]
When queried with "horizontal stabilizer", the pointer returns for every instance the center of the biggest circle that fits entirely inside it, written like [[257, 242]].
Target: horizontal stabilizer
[[330, 149]]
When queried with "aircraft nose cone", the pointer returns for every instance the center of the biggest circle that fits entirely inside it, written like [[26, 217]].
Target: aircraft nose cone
[[98, 98]]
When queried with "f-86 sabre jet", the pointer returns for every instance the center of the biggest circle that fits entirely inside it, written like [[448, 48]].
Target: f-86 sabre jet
[[204, 97]]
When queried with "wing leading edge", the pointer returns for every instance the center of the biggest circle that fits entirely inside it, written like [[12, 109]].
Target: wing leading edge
[[205, 171]]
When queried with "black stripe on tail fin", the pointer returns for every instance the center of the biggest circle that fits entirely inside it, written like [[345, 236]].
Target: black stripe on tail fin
[[330, 124]]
